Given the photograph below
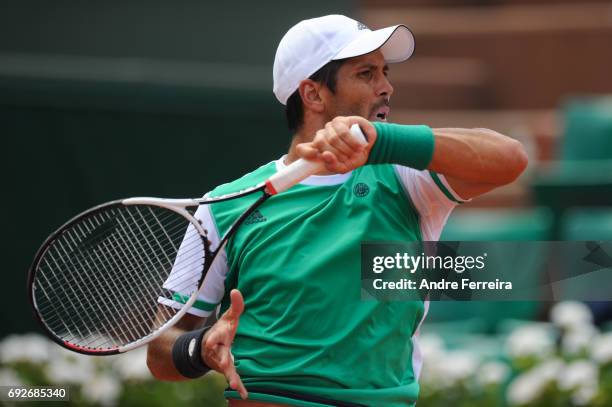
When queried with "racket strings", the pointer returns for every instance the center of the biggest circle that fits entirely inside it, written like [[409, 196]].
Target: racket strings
[[84, 263], [97, 286], [178, 270], [191, 245], [133, 261], [115, 265], [85, 317]]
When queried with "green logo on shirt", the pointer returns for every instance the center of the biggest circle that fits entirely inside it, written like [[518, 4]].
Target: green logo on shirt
[[360, 189], [255, 217]]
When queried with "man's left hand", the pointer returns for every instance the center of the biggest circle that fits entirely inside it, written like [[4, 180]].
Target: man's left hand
[[217, 343]]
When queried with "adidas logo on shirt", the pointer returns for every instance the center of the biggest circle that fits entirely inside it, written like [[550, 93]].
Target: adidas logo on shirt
[[255, 217]]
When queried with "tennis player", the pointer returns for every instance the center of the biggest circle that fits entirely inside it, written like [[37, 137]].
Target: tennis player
[[292, 329]]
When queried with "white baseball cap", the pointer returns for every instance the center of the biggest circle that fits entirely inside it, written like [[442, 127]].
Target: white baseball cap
[[310, 44]]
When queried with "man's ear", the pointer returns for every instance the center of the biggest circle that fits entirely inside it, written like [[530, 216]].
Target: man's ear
[[310, 92]]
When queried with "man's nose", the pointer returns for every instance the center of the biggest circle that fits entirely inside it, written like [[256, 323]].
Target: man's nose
[[385, 88]]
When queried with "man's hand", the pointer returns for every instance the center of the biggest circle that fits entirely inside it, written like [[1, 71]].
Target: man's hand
[[217, 343], [335, 146]]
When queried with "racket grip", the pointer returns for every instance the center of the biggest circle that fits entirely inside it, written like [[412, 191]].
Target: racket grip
[[302, 169]]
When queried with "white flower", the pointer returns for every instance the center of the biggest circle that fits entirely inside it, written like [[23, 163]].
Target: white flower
[[601, 349], [133, 365], [492, 373], [548, 369], [570, 313], [523, 390], [528, 386], [102, 389], [582, 378], [579, 338], [31, 347], [9, 378], [577, 374], [584, 395], [455, 367], [442, 368], [531, 340]]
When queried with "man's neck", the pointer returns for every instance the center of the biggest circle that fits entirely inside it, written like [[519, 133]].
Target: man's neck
[[292, 154], [304, 135]]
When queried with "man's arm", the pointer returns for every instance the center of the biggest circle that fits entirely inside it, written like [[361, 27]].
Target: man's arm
[[216, 346], [475, 161], [159, 351]]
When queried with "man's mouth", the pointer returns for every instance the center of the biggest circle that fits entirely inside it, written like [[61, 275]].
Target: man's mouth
[[381, 114]]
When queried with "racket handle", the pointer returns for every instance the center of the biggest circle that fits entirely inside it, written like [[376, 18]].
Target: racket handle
[[301, 169]]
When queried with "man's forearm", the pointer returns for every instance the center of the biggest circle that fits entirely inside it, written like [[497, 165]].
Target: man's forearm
[[478, 156], [215, 349], [159, 352]]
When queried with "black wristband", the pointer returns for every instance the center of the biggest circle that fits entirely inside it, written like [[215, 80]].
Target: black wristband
[[187, 354]]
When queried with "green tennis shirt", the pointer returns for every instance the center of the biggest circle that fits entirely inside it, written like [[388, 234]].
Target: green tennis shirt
[[306, 336]]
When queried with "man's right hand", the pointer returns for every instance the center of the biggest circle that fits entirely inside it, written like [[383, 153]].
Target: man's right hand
[[335, 146], [217, 343]]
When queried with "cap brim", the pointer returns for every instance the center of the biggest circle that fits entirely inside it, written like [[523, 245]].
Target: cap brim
[[396, 43]]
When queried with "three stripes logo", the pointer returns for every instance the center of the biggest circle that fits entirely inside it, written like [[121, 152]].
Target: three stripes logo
[[255, 217]]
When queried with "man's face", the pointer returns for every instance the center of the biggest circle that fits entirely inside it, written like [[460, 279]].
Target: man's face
[[362, 88]]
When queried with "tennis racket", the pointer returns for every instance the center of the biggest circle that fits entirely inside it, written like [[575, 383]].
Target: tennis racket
[[98, 283]]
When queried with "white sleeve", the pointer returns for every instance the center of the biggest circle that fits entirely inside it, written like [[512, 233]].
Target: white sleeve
[[214, 282], [432, 196]]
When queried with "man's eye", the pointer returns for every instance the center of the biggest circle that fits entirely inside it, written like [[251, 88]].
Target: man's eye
[[365, 74]]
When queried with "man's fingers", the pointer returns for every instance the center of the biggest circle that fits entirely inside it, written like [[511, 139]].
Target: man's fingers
[[307, 151], [212, 357], [235, 382], [328, 140], [334, 140], [333, 163], [336, 137], [329, 159], [342, 127], [217, 345], [225, 359], [336, 146], [238, 385], [221, 356], [236, 307], [242, 390]]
